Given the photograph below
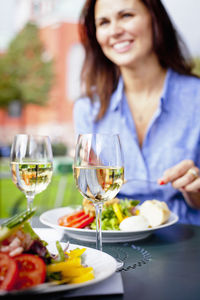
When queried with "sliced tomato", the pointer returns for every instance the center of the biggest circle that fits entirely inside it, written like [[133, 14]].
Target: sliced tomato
[[31, 271], [8, 272]]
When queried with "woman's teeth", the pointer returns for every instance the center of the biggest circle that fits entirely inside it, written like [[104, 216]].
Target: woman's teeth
[[120, 46]]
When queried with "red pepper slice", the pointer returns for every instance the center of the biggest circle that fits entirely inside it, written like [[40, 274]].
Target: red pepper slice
[[64, 220], [84, 222], [75, 215], [77, 220]]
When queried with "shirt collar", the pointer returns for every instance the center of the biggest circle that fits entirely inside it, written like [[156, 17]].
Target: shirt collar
[[166, 88], [117, 95]]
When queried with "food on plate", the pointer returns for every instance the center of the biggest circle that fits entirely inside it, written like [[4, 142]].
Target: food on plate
[[26, 262], [89, 208], [114, 211], [152, 213], [78, 219], [134, 223], [31, 270], [72, 270], [124, 215], [156, 212], [8, 272]]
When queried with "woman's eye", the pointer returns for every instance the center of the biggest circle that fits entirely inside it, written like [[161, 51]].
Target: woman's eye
[[127, 15], [102, 23]]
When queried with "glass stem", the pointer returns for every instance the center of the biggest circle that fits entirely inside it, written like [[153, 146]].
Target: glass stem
[[98, 209], [29, 202], [30, 206]]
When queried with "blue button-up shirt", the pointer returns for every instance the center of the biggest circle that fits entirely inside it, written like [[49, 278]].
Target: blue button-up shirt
[[172, 136]]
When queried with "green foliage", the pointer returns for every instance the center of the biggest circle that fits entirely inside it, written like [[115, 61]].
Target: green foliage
[[13, 201], [25, 75], [59, 149], [196, 69], [8, 89]]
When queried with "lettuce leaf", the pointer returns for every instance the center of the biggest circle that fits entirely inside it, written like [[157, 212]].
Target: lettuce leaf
[[109, 220]]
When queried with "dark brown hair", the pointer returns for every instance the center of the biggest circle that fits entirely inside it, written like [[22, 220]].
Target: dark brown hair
[[100, 75]]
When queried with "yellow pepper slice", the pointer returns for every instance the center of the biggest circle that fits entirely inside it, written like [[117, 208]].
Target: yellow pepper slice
[[118, 212], [76, 272], [59, 267], [137, 212], [76, 252], [85, 277], [72, 269]]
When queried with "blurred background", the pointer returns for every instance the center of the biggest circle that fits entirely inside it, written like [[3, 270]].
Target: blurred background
[[40, 63]]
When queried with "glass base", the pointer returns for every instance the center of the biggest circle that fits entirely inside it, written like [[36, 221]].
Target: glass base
[[120, 264]]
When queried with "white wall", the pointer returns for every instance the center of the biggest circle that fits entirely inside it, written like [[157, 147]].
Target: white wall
[[185, 15]]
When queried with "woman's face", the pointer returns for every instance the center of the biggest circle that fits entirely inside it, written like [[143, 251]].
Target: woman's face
[[124, 31]]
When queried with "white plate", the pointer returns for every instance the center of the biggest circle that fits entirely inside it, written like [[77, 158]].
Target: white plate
[[49, 235], [50, 218], [103, 264]]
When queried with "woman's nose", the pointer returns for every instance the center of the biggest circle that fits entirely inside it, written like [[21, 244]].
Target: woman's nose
[[116, 29]]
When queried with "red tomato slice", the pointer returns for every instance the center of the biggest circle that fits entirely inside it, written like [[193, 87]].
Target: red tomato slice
[[8, 272], [31, 271]]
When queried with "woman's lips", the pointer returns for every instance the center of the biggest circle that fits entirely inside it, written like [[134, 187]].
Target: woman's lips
[[121, 47]]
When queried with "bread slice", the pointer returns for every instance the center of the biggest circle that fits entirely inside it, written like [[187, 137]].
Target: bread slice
[[156, 212]]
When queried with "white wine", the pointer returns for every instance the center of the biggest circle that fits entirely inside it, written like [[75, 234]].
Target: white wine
[[31, 178], [99, 183]]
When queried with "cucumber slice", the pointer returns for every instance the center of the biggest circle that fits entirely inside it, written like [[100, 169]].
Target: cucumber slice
[[12, 224]]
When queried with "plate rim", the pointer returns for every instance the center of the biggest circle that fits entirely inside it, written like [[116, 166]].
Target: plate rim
[[47, 288], [174, 220]]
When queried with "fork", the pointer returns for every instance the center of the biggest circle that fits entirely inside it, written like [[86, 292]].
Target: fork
[[140, 179]]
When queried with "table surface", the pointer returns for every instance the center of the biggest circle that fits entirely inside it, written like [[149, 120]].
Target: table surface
[[164, 266]]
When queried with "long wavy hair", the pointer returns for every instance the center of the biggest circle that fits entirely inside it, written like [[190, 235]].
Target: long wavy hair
[[100, 76]]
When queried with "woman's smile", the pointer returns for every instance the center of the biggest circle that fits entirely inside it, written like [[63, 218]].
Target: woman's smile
[[122, 46]]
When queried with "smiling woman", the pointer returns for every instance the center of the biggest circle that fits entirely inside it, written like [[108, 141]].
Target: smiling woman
[[123, 31], [138, 83]]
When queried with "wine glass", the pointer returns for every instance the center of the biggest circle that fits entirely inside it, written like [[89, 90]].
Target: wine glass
[[98, 171], [31, 162]]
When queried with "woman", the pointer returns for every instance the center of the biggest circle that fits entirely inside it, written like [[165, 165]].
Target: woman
[[139, 84]]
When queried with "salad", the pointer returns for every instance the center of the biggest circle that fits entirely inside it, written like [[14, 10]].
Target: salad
[[114, 211], [26, 262]]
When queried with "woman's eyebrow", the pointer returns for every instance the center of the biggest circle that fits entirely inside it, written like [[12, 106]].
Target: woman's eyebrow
[[125, 10]]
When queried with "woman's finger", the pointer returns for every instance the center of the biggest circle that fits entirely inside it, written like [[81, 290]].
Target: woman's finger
[[194, 186], [176, 172], [191, 175]]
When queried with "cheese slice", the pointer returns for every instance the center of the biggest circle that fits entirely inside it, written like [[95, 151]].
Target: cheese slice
[[134, 223]]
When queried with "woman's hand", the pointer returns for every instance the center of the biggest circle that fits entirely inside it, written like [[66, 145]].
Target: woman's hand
[[185, 177]]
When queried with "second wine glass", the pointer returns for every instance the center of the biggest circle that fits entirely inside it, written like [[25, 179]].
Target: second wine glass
[[98, 171], [31, 164]]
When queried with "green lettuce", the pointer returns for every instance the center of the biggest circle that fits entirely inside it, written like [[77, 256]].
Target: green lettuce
[[109, 220]]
